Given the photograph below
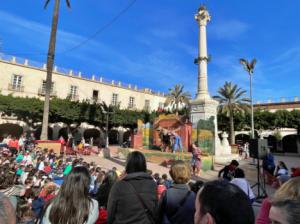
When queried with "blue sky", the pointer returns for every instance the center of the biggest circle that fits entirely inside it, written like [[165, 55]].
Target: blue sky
[[155, 42]]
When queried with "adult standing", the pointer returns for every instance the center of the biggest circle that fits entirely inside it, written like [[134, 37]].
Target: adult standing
[[133, 199], [269, 164], [196, 159], [177, 142], [13, 145], [177, 204], [269, 167], [22, 142]]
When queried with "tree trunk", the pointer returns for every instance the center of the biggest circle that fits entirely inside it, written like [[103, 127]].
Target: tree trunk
[[232, 136], [50, 61]]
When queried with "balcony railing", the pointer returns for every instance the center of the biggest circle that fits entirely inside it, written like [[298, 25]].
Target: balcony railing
[[131, 106], [42, 92], [17, 88]]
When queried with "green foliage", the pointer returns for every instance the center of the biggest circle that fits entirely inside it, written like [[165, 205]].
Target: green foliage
[[177, 97], [263, 120], [232, 101], [206, 124], [30, 110], [277, 135]]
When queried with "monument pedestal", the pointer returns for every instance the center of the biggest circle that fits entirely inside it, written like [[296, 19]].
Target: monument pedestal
[[203, 109]]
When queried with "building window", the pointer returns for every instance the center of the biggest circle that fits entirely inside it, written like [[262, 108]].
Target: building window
[[42, 91], [114, 100], [147, 105], [16, 84], [95, 95], [73, 93], [131, 102]]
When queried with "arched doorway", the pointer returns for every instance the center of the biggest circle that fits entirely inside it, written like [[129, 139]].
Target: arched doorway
[[242, 139], [38, 131], [10, 129], [126, 136], [274, 144], [289, 143], [95, 134], [113, 136], [64, 132]]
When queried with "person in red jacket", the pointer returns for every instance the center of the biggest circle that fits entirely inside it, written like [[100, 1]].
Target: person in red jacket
[[161, 188], [13, 145], [47, 168], [295, 172]]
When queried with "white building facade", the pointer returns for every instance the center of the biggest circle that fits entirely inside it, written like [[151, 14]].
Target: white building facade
[[23, 78], [20, 78]]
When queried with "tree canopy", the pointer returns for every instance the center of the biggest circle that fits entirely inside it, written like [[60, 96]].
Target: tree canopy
[[263, 120], [30, 110]]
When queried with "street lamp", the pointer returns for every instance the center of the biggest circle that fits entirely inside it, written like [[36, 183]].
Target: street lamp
[[249, 67], [107, 113]]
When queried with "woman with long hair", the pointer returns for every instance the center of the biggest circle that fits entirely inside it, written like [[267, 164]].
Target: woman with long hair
[[111, 177], [73, 205]]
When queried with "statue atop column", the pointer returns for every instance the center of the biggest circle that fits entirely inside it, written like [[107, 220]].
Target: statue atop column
[[202, 16]]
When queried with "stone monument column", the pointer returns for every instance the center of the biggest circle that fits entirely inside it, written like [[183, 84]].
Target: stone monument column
[[203, 107], [202, 17]]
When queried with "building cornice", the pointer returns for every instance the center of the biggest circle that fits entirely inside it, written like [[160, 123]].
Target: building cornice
[[113, 83]]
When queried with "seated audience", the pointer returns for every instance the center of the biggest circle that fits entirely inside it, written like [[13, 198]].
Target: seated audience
[[281, 169], [161, 188], [240, 181], [167, 182]]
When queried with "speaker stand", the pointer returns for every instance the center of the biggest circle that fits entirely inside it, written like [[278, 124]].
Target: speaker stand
[[260, 184]]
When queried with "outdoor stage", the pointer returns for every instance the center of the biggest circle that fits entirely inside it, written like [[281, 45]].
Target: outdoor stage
[[165, 158]]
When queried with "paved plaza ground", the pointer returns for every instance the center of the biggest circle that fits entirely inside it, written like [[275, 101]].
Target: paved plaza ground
[[250, 170]]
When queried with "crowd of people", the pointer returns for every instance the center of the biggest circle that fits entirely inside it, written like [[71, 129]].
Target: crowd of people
[[40, 186]]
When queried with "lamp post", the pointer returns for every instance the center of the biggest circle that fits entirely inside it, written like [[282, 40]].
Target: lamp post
[[249, 67], [252, 114], [107, 113]]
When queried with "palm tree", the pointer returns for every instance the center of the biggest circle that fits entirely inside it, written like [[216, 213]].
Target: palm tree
[[231, 99], [177, 97], [249, 67], [50, 61]]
